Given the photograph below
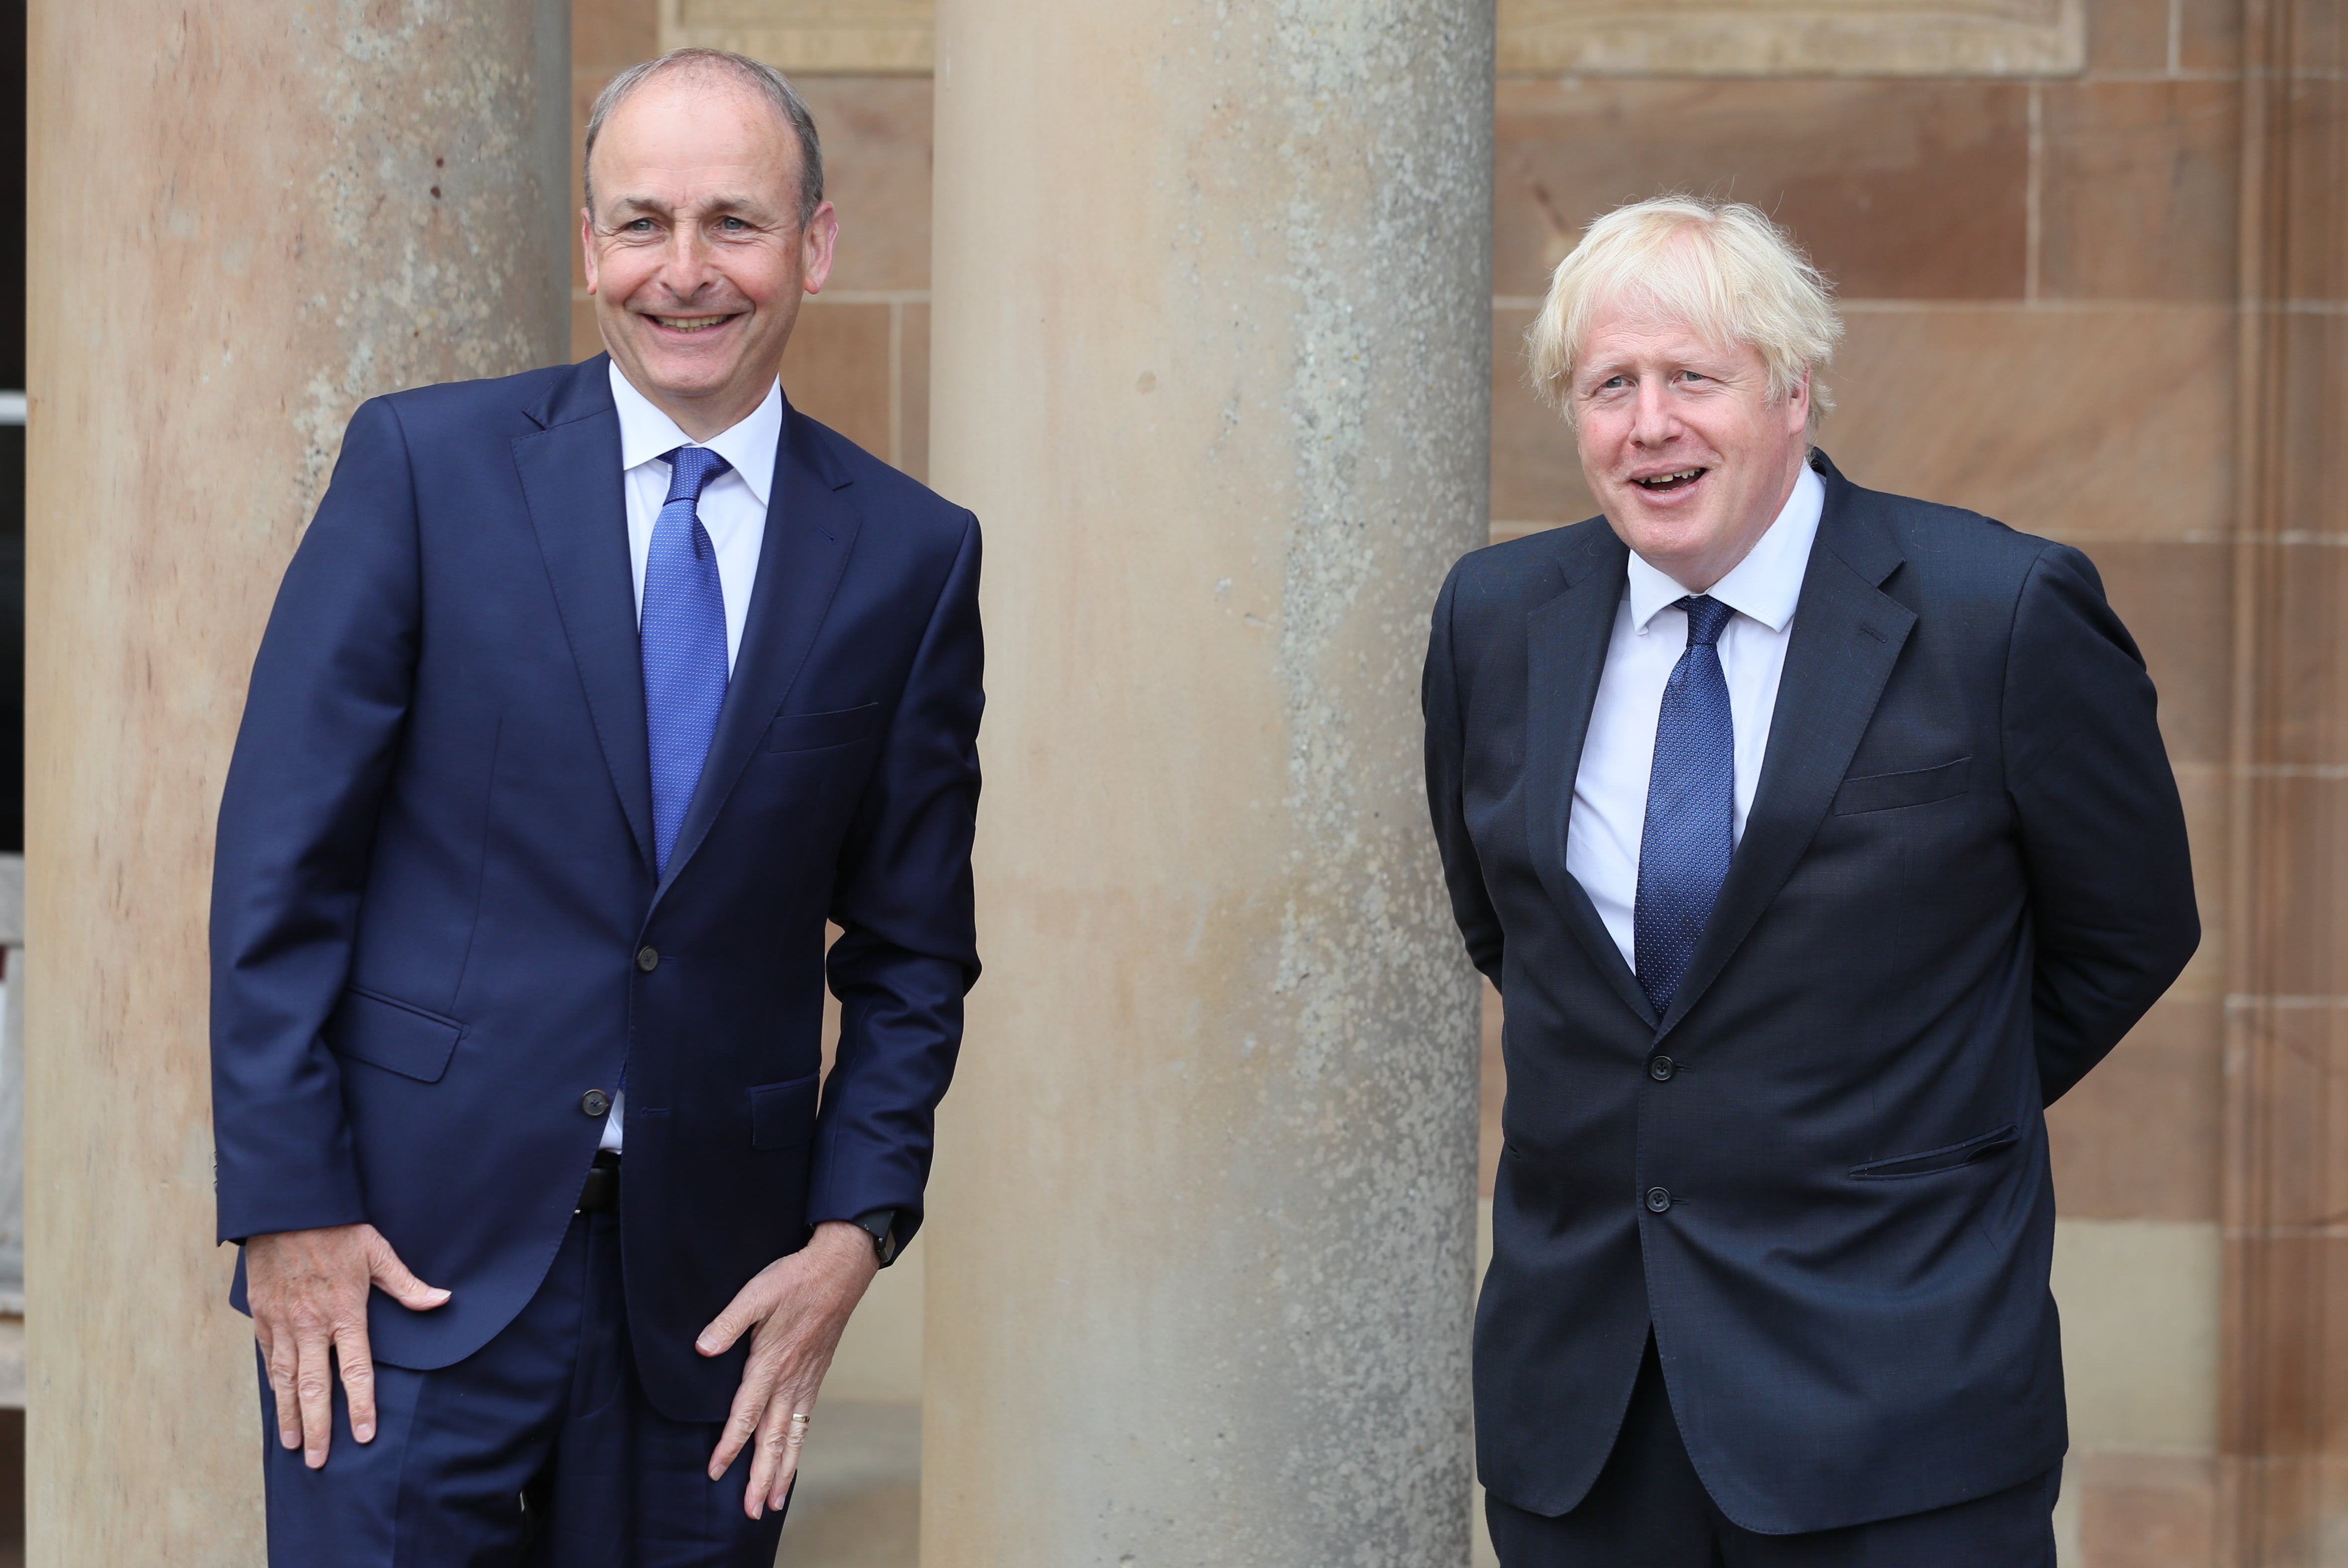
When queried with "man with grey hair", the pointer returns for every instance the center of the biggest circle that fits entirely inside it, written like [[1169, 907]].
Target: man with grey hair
[[590, 696], [1817, 838]]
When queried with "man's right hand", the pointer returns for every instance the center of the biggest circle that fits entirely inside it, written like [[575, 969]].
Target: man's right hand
[[308, 1291]]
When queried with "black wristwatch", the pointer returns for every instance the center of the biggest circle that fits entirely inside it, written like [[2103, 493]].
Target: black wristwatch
[[880, 1224]]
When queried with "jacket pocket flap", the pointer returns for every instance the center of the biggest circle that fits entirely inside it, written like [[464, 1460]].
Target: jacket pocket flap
[[1886, 791], [1970, 1152], [392, 1036], [814, 731], [782, 1115]]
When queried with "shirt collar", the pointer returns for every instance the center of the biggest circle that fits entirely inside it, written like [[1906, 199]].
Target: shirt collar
[[1765, 584], [646, 433]]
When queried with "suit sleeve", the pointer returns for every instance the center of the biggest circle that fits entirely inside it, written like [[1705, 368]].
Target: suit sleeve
[[322, 721], [2102, 830], [1447, 746], [908, 951]]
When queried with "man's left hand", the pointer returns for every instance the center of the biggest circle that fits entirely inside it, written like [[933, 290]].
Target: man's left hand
[[794, 1312]]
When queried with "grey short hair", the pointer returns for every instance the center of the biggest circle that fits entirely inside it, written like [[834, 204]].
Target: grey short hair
[[1720, 267], [772, 83]]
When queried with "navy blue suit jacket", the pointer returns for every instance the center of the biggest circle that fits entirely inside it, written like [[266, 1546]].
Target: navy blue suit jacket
[[435, 919], [1963, 877]]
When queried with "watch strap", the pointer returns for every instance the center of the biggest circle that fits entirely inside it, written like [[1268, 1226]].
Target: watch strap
[[880, 1224]]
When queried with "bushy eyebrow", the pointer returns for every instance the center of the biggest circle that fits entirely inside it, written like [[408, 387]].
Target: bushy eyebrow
[[1591, 379], [1599, 374]]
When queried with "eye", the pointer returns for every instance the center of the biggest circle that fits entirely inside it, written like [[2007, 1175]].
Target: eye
[[732, 225], [1693, 376], [637, 226]]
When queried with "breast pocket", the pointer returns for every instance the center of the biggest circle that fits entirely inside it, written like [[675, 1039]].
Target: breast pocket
[[821, 731], [1889, 792]]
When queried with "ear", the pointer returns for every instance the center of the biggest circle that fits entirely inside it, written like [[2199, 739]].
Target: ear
[[818, 236], [1797, 404], [587, 257]]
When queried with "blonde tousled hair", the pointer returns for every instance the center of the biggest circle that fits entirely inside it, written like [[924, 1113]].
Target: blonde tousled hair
[[1720, 267]]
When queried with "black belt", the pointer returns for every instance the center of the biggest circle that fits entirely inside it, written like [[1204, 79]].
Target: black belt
[[601, 1193]]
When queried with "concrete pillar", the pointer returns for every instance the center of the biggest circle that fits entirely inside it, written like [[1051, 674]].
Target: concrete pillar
[[247, 218], [2283, 1430], [1212, 362]]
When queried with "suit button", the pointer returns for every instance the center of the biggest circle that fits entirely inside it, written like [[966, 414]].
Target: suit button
[[1658, 1199], [595, 1103], [647, 959], [1661, 1068]]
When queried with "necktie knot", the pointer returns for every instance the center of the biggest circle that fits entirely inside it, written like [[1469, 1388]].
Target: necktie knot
[[689, 469], [1707, 617]]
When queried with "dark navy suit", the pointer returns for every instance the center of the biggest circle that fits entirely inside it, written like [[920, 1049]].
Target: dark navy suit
[[1820, 1181], [436, 925]]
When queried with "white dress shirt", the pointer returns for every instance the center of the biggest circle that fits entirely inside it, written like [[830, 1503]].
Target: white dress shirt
[[733, 505], [1610, 788], [733, 510]]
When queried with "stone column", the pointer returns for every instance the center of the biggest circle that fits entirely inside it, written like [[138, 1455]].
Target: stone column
[[247, 219], [1212, 358], [2284, 1469]]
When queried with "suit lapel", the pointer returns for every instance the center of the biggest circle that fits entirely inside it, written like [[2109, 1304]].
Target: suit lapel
[[1847, 635], [810, 529], [570, 481], [1565, 641]]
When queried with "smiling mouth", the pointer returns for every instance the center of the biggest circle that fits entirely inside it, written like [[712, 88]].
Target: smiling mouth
[[692, 323], [1662, 484]]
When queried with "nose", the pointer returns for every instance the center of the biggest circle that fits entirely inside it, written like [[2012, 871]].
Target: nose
[[685, 270], [1652, 422]]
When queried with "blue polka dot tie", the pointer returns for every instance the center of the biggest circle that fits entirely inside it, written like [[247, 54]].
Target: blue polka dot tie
[[1691, 803], [684, 635]]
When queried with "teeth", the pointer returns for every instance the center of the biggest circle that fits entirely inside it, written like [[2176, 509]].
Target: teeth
[[692, 323], [1672, 479]]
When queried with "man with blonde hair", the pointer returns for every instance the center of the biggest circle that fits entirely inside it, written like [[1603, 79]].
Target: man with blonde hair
[[1817, 838]]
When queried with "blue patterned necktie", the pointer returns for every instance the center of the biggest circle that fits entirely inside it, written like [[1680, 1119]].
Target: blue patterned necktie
[[1691, 804], [684, 634]]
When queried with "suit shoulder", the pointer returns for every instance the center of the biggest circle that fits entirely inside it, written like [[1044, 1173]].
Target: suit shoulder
[[466, 414], [1532, 565], [889, 497], [1958, 546], [491, 403]]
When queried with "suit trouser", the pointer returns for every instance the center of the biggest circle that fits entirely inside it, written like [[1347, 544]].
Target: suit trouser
[[539, 1448], [1648, 1509]]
